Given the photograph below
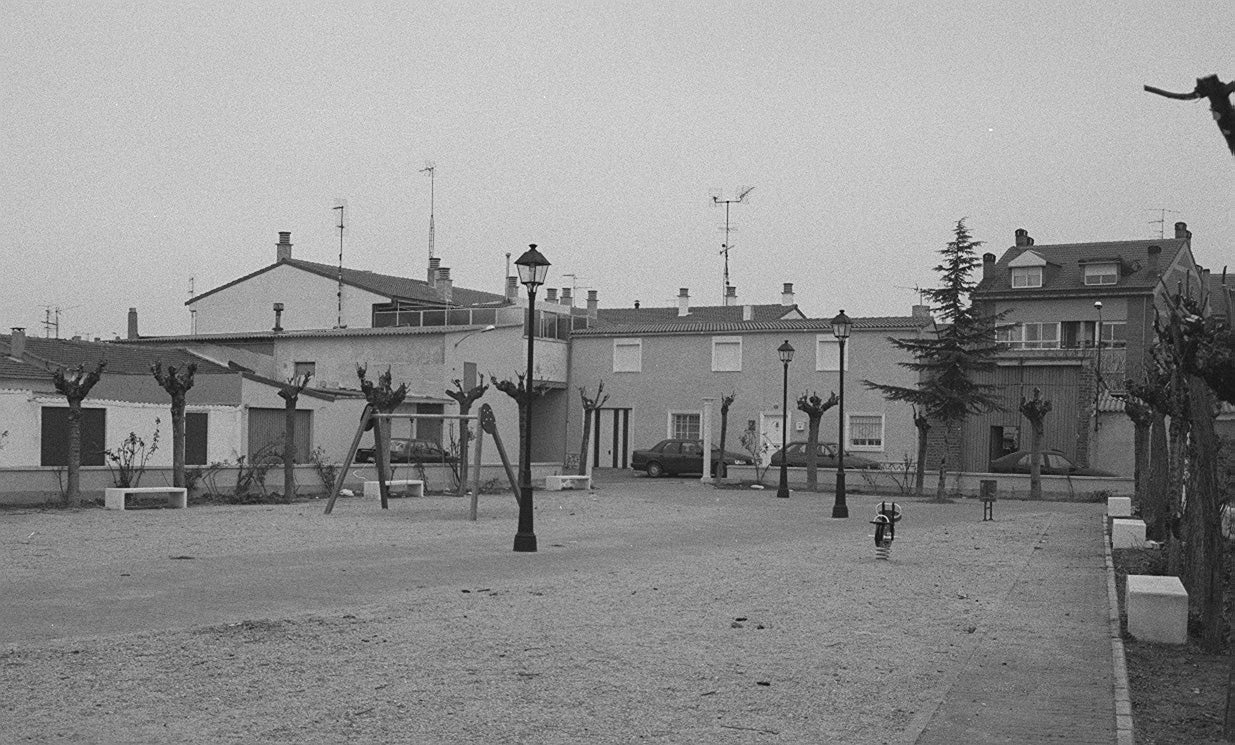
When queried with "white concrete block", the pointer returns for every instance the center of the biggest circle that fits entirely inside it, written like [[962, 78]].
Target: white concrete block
[[415, 486], [558, 482], [177, 497], [1119, 506], [1127, 533], [1157, 609]]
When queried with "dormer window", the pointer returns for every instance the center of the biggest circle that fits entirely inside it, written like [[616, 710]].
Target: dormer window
[[1027, 269], [1101, 274], [1027, 276]]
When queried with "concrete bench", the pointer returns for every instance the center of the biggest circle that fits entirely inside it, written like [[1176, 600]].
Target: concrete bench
[[116, 498], [1127, 533], [1157, 609], [558, 482], [415, 486], [1119, 506]]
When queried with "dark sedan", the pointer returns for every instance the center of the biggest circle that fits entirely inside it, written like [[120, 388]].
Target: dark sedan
[[404, 450], [679, 456], [825, 457], [1054, 463]]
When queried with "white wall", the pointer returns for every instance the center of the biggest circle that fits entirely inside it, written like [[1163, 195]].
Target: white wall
[[309, 302]]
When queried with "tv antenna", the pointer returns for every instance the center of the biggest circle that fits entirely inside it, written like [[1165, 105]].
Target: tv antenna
[[742, 193], [431, 170], [51, 320], [921, 292], [1161, 221], [341, 207]]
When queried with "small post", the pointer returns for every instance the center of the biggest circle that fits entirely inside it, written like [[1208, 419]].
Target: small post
[[987, 492]]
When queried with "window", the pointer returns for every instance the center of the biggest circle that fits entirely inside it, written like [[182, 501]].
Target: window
[[726, 354], [1029, 336], [865, 432], [827, 353], [627, 355], [1027, 276], [54, 438], [1101, 274], [684, 425], [304, 368], [1115, 334], [195, 436]]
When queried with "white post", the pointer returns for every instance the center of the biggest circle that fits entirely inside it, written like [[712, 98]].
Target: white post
[[707, 440]]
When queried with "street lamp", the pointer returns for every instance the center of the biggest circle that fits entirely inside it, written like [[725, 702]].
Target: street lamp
[[786, 356], [533, 268], [1097, 381], [840, 329]]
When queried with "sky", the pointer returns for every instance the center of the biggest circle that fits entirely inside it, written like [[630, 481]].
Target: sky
[[147, 148]]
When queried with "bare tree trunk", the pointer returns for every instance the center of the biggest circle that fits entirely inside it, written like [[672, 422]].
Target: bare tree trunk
[[73, 494], [919, 476], [289, 448], [178, 441], [1157, 506], [812, 447], [1175, 492], [1035, 410], [941, 491], [1205, 563], [587, 439]]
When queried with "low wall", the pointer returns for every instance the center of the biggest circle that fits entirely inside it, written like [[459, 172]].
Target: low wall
[[42, 485], [1010, 485]]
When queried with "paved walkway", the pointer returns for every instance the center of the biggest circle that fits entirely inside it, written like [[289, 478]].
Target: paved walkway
[[1042, 671]]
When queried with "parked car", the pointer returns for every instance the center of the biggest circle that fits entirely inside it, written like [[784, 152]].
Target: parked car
[[825, 457], [405, 450], [679, 456], [1054, 463]]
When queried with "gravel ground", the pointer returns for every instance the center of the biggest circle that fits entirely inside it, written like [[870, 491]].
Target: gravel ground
[[662, 611]]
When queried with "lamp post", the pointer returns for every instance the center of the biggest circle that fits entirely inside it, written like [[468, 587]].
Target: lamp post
[[533, 268], [786, 356], [840, 329], [1097, 381]]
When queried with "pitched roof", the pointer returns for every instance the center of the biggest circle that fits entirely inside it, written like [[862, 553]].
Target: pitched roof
[[1069, 259], [395, 288], [698, 326], [43, 354]]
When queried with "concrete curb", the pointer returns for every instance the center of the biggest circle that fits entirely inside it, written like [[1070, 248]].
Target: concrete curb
[[1124, 731]]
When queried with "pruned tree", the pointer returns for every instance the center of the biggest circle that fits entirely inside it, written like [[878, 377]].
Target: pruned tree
[[177, 384], [384, 398], [722, 468], [75, 384], [523, 396], [1035, 410], [921, 423], [814, 406], [1142, 416], [465, 399], [1160, 501], [590, 405], [949, 362], [1219, 95], [290, 393]]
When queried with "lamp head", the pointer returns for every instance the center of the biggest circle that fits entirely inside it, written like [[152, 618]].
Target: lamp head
[[533, 268], [786, 352], [841, 326], [1097, 304]]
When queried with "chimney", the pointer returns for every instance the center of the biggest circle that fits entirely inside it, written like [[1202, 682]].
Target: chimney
[[786, 294], [278, 318], [512, 288], [551, 295], [1151, 265], [17, 342], [283, 249], [748, 312], [132, 323], [568, 298], [445, 285], [636, 305], [1181, 231], [731, 295], [922, 313], [1022, 237], [683, 302], [434, 264], [593, 303], [988, 266]]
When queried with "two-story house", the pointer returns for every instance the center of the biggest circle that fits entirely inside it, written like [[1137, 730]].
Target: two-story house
[[1079, 320], [665, 370]]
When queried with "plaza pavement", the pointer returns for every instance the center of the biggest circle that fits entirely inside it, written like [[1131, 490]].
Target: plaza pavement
[[687, 613]]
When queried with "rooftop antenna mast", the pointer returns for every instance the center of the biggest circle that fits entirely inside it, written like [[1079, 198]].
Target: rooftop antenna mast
[[1161, 221], [431, 170], [742, 194], [341, 207], [192, 311]]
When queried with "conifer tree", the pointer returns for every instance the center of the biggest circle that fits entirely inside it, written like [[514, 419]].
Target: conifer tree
[[948, 362]]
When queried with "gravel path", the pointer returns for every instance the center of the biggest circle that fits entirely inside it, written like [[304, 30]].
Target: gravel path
[[663, 611]]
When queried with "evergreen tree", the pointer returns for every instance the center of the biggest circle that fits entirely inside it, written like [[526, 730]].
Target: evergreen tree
[[948, 362]]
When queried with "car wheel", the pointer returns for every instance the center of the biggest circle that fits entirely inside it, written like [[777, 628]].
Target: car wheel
[[655, 470]]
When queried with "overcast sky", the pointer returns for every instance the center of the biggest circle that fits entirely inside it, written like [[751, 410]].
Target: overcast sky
[[147, 144]]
